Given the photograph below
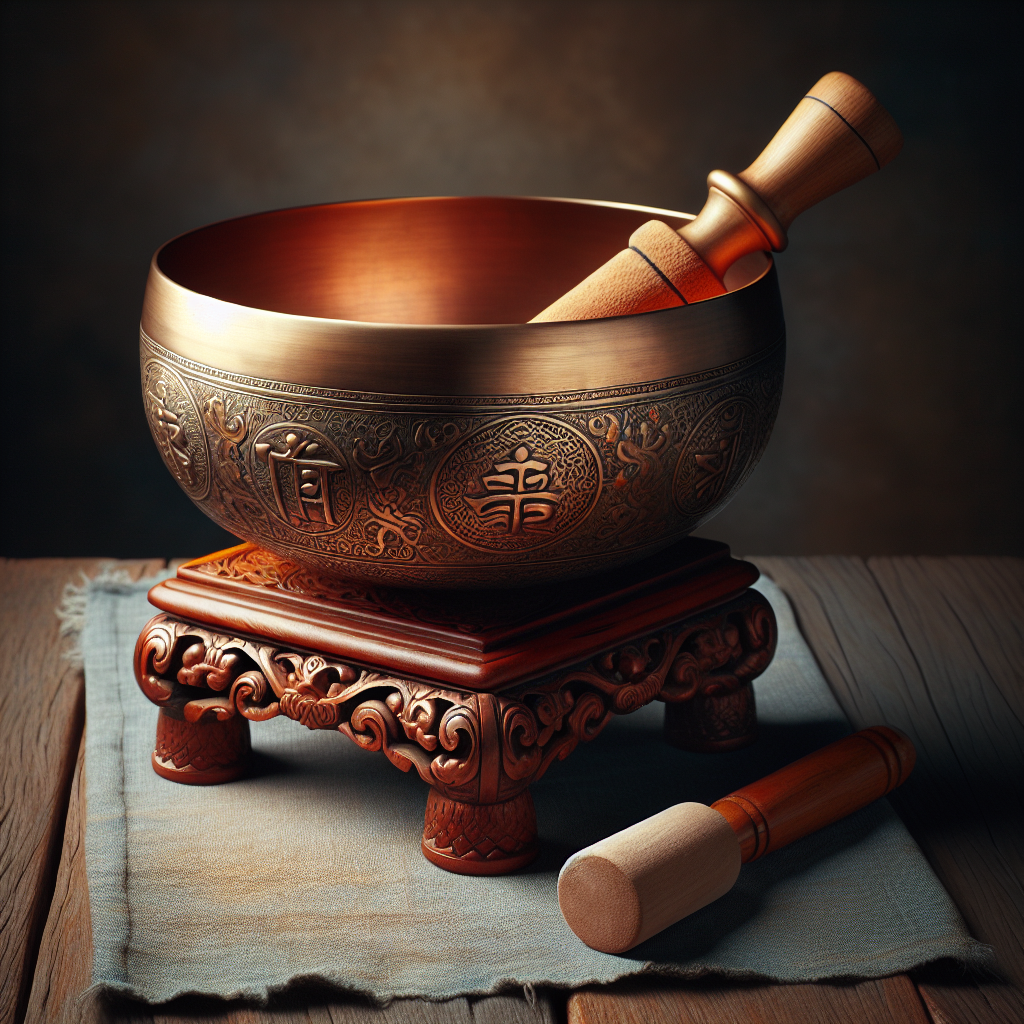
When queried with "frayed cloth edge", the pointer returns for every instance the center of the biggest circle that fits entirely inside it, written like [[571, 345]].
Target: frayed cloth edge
[[74, 601], [976, 959]]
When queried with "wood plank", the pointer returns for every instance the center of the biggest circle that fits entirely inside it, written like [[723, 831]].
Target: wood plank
[[64, 964], [984, 727], [952, 998], [885, 1001], [41, 716], [986, 597], [300, 1009], [933, 649]]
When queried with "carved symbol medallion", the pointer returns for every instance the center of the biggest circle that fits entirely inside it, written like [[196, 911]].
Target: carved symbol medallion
[[517, 484], [301, 477], [714, 456], [177, 427]]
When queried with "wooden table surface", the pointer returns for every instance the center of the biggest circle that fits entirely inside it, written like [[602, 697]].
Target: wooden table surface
[[934, 646]]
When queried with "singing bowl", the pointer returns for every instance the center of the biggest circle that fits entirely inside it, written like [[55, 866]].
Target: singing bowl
[[354, 387]]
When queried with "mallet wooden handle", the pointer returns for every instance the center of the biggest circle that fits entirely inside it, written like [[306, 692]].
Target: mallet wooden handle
[[630, 886], [817, 790], [838, 134]]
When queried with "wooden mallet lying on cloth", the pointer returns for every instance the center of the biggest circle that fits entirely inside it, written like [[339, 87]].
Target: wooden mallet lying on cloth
[[632, 885], [838, 134]]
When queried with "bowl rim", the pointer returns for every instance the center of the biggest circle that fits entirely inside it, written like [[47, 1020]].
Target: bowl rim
[[156, 269], [493, 359]]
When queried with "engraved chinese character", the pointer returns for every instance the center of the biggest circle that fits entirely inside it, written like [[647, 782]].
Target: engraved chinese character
[[517, 495], [300, 481]]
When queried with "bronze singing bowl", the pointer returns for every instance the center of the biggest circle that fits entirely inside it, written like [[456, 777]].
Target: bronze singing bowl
[[355, 388]]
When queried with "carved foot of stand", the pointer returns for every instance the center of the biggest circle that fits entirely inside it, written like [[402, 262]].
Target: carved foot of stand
[[201, 753], [480, 839], [713, 724]]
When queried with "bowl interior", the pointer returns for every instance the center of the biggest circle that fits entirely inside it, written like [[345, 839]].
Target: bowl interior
[[476, 260]]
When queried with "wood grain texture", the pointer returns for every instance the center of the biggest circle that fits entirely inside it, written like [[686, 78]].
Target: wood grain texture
[[41, 716], [934, 647], [477, 640], [64, 964], [952, 998], [886, 1001], [837, 135]]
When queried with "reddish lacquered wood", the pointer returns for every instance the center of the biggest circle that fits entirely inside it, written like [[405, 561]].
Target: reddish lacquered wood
[[210, 683], [817, 790], [863, 650], [481, 640], [204, 752]]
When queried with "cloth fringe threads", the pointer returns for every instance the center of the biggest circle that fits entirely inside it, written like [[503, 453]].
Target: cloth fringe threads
[[75, 599]]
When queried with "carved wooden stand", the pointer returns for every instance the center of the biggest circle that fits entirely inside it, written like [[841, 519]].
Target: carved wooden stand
[[479, 691]]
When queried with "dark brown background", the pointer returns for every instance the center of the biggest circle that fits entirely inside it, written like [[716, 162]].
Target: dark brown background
[[125, 124]]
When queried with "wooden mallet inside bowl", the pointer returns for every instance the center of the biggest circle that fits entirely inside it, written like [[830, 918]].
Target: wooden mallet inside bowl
[[632, 885], [838, 134]]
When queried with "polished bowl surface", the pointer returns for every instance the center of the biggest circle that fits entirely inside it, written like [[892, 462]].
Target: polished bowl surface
[[354, 387]]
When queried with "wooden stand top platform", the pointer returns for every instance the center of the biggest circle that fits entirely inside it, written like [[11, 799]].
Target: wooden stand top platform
[[478, 640]]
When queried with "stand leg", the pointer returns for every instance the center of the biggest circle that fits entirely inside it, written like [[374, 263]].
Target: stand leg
[[480, 839], [201, 753], [713, 723]]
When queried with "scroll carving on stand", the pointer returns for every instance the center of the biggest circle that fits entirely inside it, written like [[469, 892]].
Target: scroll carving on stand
[[475, 750]]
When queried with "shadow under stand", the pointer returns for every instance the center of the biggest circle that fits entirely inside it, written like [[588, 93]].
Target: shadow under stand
[[478, 691]]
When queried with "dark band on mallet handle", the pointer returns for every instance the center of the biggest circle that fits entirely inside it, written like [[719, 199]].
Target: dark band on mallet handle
[[654, 266], [848, 125]]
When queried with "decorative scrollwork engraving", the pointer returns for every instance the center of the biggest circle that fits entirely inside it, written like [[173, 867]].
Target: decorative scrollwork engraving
[[440, 731], [722, 652], [708, 693], [478, 751], [187, 667], [416, 491], [231, 429], [715, 452]]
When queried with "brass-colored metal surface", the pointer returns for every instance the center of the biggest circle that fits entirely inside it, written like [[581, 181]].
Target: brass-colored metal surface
[[458, 454]]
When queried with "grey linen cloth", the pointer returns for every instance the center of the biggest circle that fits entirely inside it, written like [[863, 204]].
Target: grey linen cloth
[[310, 868]]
